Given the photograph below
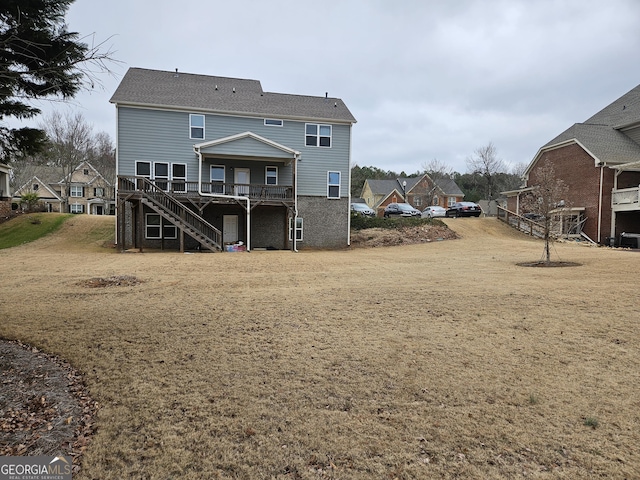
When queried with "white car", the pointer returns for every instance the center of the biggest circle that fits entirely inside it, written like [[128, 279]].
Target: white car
[[434, 211]]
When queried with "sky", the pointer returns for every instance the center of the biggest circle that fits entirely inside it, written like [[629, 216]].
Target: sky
[[425, 79]]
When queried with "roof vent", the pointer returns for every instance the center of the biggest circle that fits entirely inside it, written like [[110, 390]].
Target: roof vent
[[176, 74], [335, 105], [216, 87], [234, 89]]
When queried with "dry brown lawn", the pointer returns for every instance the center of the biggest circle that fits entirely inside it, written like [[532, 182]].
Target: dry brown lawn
[[438, 360]]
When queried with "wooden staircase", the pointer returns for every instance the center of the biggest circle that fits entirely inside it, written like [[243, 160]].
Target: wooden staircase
[[186, 220]]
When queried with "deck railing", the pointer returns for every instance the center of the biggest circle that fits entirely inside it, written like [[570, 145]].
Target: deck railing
[[179, 187], [626, 199], [523, 224]]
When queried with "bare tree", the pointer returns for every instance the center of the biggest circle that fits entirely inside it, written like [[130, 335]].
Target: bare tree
[[546, 199], [437, 169], [486, 163], [71, 141], [519, 169]]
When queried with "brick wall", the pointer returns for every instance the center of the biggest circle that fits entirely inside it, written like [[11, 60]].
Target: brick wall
[[578, 171]]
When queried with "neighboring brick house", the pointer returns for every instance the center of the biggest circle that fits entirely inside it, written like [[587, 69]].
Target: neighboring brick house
[[86, 191], [420, 192], [599, 161], [205, 161]]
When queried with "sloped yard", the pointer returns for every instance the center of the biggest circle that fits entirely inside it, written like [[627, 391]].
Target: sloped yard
[[441, 359]]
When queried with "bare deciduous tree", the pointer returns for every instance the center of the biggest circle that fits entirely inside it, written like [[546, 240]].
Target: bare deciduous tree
[[437, 169], [546, 199], [485, 162]]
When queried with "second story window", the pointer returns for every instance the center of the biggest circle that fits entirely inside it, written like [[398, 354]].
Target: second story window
[[317, 135], [98, 192], [196, 126], [271, 175], [75, 191]]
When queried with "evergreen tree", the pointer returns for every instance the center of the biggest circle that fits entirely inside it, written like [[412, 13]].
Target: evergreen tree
[[39, 59]]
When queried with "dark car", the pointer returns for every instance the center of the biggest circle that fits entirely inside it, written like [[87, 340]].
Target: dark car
[[363, 209], [401, 210], [464, 209]]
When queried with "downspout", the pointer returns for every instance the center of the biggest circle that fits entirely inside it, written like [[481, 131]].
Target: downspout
[[600, 205], [294, 232], [115, 189], [215, 195]]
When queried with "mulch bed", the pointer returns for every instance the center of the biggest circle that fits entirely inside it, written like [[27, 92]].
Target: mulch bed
[[544, 264], [45, 408]]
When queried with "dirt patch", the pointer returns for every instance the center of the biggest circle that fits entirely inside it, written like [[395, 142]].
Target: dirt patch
[[112, 281], [382, 237]]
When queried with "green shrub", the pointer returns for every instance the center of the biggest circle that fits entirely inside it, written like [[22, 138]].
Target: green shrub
[[360, 222]]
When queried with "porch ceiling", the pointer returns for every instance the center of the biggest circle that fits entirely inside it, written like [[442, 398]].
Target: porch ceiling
[[628, 167]]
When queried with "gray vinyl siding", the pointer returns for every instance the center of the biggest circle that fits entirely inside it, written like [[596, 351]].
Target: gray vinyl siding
[[163, 136]]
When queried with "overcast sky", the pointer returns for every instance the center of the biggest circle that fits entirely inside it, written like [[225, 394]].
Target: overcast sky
[[425, 79]]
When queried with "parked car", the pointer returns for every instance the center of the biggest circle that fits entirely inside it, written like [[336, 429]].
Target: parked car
[[363, 209], [464, 209], [534, 216], [434, 211], [401, 210]]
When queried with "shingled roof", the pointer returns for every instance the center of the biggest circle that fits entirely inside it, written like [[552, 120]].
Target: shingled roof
[[143, 87], [601, 135]]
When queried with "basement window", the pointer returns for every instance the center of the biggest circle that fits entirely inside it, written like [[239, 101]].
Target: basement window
[[333, 184]]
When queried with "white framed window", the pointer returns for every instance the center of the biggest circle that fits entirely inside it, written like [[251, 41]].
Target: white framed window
[[196, 126], [143, 169], [272, 122], [161, 175], [299, 229], [217, 178], [435, 200], [153, 226], [451, 201], [271, 175], [417, 201], [76, 208], [333, 184], [157, 228], [169, 231], [98, 192], [76, 191], [317, 135], [179, 177]]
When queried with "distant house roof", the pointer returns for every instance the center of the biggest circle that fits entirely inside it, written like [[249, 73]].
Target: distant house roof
[[143, 87], [602, 134], [448, 187], [383, 187]]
